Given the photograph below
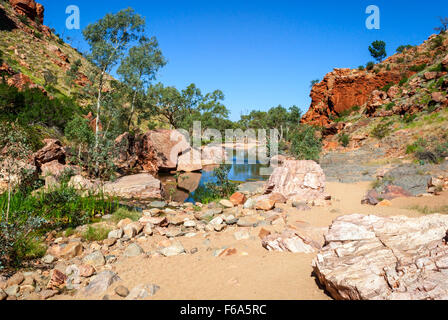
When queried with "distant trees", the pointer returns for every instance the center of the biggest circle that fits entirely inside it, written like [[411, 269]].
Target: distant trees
[[72, 74], [403, 48], [378, 50], [443, 25], [182, 108]]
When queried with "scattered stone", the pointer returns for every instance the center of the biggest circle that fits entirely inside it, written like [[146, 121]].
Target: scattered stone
[[158, 204], [86, 271], [12, 290], [16, 279], [133, 250], [175, 249], [95, 259], [265, 204], [216, 221], [219, 227], [156, 221], [71, 250], [230, 220], [288, 241], [123, 223], [227, 252], [147, 230], [174, 233], [57, 279], [132, 229], [109, 242], [301, 205], [3, 295], [142, 292], [248, 221], [116, 234], [226, 203], [238, 199], [189, 224], [277, 198], [263, 233], [100, 283], [385, 203], [241, 235], [48, 259], [194, 250], [122, 291]]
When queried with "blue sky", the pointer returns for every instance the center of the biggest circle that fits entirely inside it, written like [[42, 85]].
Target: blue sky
[[261, 53]]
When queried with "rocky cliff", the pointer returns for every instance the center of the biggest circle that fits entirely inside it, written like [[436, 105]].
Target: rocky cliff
[[344, 89]]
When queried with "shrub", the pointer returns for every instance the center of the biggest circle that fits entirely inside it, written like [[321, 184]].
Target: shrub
[[31, 106], [96, 233], [370, 65], [361, 68], [408, 118], [123, 213], [418, 68], [436, 68], [387, 87], [401, 49], [305, 145], [403, 81], [381, 131], [344, 139], [389, 106]]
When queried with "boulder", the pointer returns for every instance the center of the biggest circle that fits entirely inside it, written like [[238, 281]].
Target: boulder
[[298, 180], [100, 283], [168, 145], [189, 161], [378, 258], [189, 181], [445, 63], [213, 155], [135, 153], [52, 151], [238, 199], [141, 186]]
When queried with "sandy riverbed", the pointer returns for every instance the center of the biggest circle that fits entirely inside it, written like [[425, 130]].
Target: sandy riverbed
[[253, 273]]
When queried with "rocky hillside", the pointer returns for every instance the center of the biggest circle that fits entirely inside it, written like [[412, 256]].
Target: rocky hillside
[[393, 104], [32, 55]]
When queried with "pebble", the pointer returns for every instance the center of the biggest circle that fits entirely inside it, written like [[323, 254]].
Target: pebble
[[12, 290], [48, 259], [158, 204], [173, 250], [190, 224], [16, 279], [95, 259], [133, 250], [122, 291], [226, 203], [115, 234], [143, 291]]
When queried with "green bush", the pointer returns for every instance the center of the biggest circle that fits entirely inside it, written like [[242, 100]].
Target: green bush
[[403, 81], [370, 65], [305, 145], [381, 131], [96, 233], [361, 68], [344, 139], [387, 87], [123, 213], [418, 68], [401, 49], [31, 106]]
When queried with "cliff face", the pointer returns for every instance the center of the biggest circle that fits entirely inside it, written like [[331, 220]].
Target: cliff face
[[29, 8], [342, 89]]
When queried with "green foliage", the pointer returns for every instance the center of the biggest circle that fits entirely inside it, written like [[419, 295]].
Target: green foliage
[[30, 107], [418, 146], [96, 233], [314, 82], [403, 81], [80, 134], [382, 130], [436, 68], [222, 187], [344, 139], [378, 50], [443, 25], [361, 68], [403, 48], [418, 68], [387, 87], [370, 65], [389, 106], [305, 145], [123, 213], [437, 42]]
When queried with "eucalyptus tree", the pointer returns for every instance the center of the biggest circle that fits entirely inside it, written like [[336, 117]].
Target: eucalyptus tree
[[109, 39], [139, 68]]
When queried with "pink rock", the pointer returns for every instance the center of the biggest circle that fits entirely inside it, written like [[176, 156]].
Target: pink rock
[[298, 181]]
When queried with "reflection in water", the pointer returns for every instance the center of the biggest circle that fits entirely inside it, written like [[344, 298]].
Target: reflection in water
[[188, 183]]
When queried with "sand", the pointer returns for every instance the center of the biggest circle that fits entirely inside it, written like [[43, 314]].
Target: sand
[[253, 273]]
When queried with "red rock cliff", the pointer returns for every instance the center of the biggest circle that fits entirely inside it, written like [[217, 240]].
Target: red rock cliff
[[29, 8]]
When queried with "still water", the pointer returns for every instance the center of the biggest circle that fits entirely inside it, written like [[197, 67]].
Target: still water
[[183, 189]]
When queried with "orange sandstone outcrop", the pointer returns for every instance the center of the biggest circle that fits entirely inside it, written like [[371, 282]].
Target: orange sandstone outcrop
[[341, 90], [29, 8]]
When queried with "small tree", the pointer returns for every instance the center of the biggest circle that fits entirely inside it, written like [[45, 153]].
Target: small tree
[[72, 74], [305, 145], [14, 153], [79, 132], [314, 82], [378, 50], [140, 67], [49, 78], [444, 25], [108, 39]]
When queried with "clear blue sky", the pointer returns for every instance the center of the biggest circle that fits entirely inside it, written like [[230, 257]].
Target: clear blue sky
[[261, 53]]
